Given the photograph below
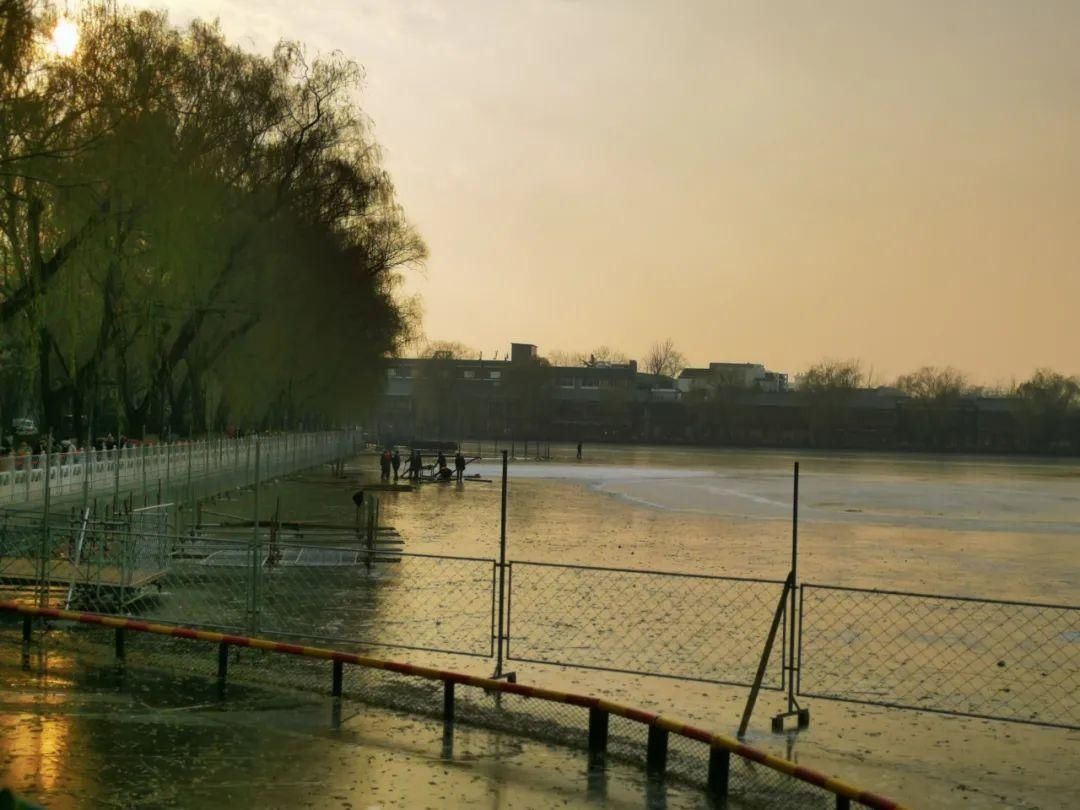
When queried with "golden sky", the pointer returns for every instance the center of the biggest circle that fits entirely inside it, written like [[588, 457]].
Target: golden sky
[[770, 182]]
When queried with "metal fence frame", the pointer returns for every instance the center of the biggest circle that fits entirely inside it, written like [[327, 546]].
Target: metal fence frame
[[802, 640], [629, 671]]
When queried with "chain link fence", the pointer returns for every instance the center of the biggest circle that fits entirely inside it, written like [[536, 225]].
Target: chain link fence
[[684, 626], [353, 595], [99, 565], [976, 657]]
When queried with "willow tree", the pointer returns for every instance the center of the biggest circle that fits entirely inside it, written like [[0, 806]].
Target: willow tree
[[204, 224]]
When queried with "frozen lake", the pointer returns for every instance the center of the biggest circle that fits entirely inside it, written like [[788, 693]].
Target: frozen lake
[[979, 527]]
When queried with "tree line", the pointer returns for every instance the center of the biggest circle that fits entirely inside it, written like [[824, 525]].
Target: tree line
[[834, 404], [190, 235]]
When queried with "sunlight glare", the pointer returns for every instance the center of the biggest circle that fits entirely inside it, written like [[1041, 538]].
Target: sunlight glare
[[65, 37]]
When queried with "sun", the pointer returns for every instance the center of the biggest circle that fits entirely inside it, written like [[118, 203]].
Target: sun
[[65, 37]]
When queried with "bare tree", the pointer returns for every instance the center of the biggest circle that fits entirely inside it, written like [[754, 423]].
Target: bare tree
[[833, 375], [932, 384], [557, 357], [663, 358], [446, 350], [602, 355]]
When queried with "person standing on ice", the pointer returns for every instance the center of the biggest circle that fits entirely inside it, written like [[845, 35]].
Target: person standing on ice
[[579, 451], [459, 465], [395, 462]]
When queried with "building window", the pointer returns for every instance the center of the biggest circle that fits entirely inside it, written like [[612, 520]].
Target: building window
[[566, 382], [494, 375], [469, 374]]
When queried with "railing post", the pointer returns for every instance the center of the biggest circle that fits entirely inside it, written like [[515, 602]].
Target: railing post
[[598, 737], [335, 688], [27, 638], [719, 772], [120, 651], [448, 703], [843, 802], [222, 662], [656, 753]]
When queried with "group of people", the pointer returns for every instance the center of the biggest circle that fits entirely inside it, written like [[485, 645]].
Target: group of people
[[390, 461]]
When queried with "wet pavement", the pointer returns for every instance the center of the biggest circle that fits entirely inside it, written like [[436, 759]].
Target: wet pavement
[[75, 733]]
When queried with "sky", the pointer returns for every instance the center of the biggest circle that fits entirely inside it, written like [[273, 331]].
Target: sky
[[780, 182]]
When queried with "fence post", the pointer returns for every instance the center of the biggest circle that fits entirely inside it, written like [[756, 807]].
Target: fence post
[[256, 555], [794, 584], [502, 572], [43, 565], [117, 455], [764, 662], [792, 669], [222, 662]]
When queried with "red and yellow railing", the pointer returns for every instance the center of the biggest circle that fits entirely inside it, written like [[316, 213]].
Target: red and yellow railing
[[721, 746]]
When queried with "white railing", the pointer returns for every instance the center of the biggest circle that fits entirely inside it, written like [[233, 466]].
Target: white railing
[[179, 471]]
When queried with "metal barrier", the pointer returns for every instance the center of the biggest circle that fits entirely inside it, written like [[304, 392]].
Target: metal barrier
[[995, 659], [420, 602], [355, 592], [178, 471], [684, 626], [725, 756], [986, 658]]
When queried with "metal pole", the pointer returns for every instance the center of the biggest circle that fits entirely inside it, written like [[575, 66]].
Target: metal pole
[[502, 572], [794, 587], [43, 568], [168, 470], [256, 556], [48, 447], [116, 474]]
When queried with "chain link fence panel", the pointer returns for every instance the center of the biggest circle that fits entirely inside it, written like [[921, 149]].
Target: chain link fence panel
[[379, 597], [683, 626], [976, 657]]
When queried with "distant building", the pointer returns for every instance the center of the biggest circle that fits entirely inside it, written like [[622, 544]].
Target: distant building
[[745, 376]]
